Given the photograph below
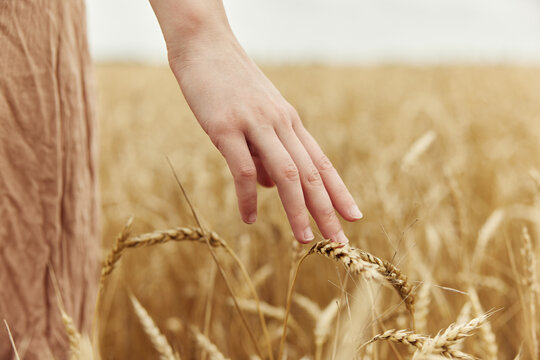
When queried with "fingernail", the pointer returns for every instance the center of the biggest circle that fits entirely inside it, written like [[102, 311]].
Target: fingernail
[[308, 234], [355, 212], [341, 238], [252, 218]]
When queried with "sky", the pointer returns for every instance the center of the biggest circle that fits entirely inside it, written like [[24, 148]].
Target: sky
[[340, 31]]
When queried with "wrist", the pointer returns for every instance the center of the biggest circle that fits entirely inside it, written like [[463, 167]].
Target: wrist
[[191, 25]]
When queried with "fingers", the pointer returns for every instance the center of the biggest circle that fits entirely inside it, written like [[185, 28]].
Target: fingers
[[235, 150], [284, 173], [262, 175], [341, 198], [316, 196]]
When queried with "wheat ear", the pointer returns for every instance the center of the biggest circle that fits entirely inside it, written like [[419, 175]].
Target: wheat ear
[[124, 242], [206, 345], [350, 257], [417, 341], [116, 251], [159, 341], [450, 338], [370, 266]]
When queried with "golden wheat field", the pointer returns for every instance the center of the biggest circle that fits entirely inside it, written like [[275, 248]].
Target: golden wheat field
[[444, 163]]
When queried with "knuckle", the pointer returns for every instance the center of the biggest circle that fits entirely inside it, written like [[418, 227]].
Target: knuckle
[[314, 177], [289, 172], [246, 172], [293, 114], [282, 117], [324, 163]]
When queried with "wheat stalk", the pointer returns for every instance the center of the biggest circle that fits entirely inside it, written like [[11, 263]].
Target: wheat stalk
[[531, 281], [158, 340], [12, 341]]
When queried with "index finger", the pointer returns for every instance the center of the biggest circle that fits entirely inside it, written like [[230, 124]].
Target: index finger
[[342, 199]]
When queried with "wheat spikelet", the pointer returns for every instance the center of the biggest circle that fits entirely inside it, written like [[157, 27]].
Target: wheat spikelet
[[117, 251], [486, 331], [123, 242], [368, 265], [452, 335], [418, 341], [394, 276], [159, 341], [206, 345], [406, 337], [350, 257], [176, 234]]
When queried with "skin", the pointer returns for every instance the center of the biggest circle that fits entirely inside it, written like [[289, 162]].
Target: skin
[[257, 131]]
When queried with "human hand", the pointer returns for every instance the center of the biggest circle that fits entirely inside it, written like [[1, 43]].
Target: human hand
[[262, 138], [258, 132]]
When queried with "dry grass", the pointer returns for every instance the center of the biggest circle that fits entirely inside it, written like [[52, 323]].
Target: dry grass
[[443, 162]]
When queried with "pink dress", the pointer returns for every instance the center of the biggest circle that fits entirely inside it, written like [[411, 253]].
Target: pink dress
[[49, 208]]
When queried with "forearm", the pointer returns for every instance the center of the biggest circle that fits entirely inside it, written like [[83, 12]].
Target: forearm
[[191, 23]]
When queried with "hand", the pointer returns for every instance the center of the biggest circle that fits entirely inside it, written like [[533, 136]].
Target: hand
[[262, 138]]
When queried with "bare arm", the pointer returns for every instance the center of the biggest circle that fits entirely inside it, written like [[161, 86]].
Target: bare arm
[[257, 131]]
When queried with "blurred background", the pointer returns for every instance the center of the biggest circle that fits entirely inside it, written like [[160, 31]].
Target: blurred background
[[340, 31], [430, 112]]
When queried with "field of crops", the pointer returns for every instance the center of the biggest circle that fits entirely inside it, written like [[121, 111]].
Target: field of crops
[[444, 163]]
